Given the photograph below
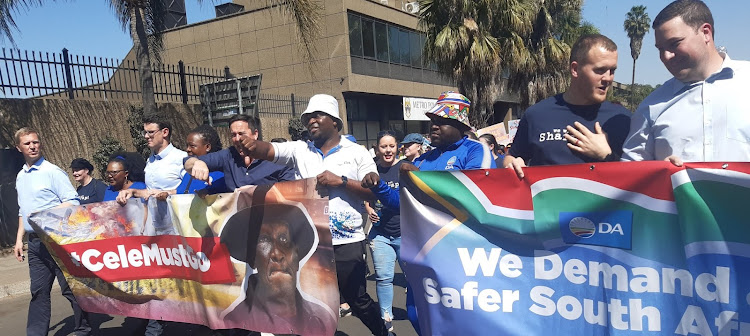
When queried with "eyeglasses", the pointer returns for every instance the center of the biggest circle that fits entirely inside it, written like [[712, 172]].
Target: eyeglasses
[[150, 133], [113, 173]]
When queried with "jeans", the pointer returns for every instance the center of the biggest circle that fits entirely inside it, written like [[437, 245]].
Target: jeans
[[351, 274], [42, 271], [385, 253]]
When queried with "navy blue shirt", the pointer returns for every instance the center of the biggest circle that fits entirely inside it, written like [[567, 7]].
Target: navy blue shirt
[[390, 218], [236, 174], [92, 192], [540, 142]]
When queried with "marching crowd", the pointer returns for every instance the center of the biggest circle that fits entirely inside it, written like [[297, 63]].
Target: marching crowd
[[695, 116]]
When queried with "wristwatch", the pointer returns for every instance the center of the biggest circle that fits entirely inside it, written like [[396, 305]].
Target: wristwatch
[[344, 179]]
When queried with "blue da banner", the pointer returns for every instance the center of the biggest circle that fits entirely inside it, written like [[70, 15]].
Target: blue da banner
[[622, 249]]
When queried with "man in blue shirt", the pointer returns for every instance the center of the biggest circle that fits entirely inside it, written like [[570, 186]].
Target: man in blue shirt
[[41, 186], [558, 130], [701, 114], [453, 150], [240, 169]]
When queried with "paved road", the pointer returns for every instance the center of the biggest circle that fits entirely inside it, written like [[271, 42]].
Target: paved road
[[13, 313]]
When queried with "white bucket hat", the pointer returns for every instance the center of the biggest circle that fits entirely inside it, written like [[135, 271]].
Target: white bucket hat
[[322, 103]]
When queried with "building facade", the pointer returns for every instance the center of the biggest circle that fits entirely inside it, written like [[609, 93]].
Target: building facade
[[368, 55]]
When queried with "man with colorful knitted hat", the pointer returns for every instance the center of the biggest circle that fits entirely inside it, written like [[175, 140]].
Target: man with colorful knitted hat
[[453, 150]]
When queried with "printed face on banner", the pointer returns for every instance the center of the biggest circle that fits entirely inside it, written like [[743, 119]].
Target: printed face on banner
[[258, 259]]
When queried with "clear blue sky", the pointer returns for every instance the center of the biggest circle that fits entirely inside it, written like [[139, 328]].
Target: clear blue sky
[[89, 28]]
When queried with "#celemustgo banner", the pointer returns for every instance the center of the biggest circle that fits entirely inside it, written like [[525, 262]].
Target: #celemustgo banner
[[258, 259], [642, 248]]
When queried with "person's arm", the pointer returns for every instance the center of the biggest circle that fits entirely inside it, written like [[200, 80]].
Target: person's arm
[[258, 149], [371, 213], [387, 195], [61, 187], [18, 248], [639, 145], [515, 157], [331, 180], [480, 159]]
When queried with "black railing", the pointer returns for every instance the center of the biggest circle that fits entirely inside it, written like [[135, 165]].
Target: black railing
[[50, 75], [271, 105]]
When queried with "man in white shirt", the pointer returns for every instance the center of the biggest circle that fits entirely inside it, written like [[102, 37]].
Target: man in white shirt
[[338, 165], [164, 173], [700, 114]]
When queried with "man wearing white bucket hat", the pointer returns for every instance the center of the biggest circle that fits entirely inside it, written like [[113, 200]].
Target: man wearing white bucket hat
[[338, 165]]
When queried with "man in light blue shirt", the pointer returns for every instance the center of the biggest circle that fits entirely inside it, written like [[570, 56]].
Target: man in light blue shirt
[[700, 114], [41, 186]]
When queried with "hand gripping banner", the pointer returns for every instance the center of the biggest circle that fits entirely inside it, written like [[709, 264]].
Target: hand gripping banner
[[641, 248], [259, 259]]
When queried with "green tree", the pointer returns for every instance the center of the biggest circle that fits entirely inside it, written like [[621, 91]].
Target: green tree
[[107, 146], [144, 19], [477, 43], [637, 24], [135, 124]]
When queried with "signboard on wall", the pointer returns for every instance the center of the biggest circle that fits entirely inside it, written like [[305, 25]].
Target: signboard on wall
[[414, 108]]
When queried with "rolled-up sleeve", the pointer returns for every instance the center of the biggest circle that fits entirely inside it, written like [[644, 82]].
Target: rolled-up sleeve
[[62, 188]]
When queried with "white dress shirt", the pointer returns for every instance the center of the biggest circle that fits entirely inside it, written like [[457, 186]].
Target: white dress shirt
[[698, 122], [164, 171]]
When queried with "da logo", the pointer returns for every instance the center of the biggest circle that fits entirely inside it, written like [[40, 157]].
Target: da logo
[[450, 163], [604, 228], [582, 227]]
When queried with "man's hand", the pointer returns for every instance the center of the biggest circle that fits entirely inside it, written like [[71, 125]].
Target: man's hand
[[199, 171], [124, 196], [516, 163], [675, 160], [18, 250], [407, 167], [582, 140], [373, 215], [248, 145], [328, 179], [372, 179], [162, 195]]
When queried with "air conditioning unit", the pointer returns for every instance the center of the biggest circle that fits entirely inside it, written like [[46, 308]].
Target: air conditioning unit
[[411, 7]]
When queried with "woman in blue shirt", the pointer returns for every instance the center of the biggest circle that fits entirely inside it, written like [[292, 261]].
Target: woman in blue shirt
[[200, 141], [124, 171]]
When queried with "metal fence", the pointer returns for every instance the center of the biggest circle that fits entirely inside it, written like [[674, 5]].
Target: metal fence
[[25, 74], [271, 105]]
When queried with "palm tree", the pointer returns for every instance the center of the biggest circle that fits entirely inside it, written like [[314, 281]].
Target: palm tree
[[473, 42], [637, 24], [144, 20]]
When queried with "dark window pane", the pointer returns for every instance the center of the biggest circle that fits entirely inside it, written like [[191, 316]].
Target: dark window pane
[[355, 35], [381, 41], [394, 45], [403, 39], [368, 39], [422, 41], [416, 49]]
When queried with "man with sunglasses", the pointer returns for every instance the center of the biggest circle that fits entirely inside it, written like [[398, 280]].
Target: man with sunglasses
[[338, 165], [454, 150], [164, 172], [164, 169]]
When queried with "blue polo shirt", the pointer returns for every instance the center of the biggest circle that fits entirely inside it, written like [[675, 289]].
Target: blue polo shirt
[[464, 154], [236, 174], [40, 187]]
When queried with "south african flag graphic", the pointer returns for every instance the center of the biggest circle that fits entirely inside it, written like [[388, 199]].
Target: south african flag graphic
[[592, 249]]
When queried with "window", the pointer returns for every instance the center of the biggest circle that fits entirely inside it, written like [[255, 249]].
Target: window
[[368, 38], [416, 49], [381, 41], [393, 43], [355, 35], [403, 39]]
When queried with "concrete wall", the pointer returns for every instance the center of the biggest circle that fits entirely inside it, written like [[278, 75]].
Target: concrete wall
[[72, 128]]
